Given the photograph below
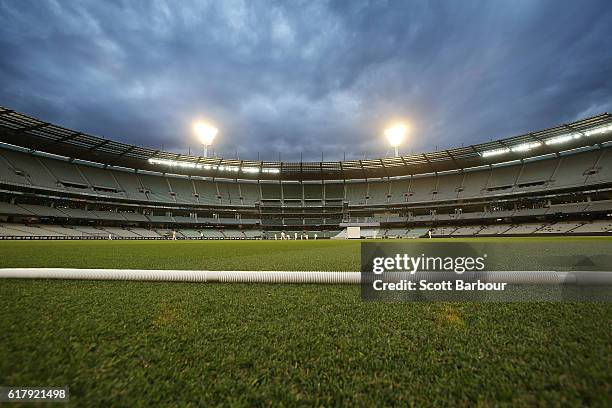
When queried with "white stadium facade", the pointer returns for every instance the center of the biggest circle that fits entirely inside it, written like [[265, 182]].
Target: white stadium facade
[[57, 183]]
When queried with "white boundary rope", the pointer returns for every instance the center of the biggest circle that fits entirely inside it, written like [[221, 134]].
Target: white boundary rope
[[533, 277], [183, 275]]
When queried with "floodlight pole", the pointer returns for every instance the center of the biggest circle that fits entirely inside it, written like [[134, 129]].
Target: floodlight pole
[[396, 151]]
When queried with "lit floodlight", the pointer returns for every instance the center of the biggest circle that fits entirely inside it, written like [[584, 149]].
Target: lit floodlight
[[526, 146], [206, 133], [395, 135]]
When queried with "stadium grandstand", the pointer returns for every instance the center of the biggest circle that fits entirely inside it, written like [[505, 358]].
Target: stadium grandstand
[[57, 183]]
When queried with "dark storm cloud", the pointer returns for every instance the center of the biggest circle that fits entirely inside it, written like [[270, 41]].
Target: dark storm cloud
[[307, 76]]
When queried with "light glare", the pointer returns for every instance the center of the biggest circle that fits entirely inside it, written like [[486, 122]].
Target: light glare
[[205, 132], [395, 134]]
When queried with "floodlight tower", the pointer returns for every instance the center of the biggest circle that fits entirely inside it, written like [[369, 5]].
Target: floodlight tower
[[395, 136], [206, 133]]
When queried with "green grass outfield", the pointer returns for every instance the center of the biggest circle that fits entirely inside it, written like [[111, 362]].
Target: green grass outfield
[[147, 343]]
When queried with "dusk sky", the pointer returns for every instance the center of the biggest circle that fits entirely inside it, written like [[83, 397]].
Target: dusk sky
[[306, 76]]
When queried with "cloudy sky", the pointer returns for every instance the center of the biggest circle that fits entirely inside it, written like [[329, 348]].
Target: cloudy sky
[[293, 77]]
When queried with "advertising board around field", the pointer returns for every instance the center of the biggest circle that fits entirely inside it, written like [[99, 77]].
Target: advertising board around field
[[508, 271]]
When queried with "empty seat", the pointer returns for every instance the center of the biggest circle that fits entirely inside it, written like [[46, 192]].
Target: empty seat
[[64, 171], [250, 193], [313, 191], [356, 193], [448, 186], [99, 177], [156, 188], [378, 192], [12, 209], [130, 184], [537, 171], [8, 174], [602, 171], [573, 169], [31, 167], [229, 193], [207, 191], [334, 191], [474, 184], [43, 211], [182, 189], [503, 176], [271, 191]]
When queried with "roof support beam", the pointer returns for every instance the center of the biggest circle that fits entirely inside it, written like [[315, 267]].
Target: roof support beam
[[574, 129], [69, 137], [382, 163], [153, 154], [428, 162], [98, 145], [33, 127], [453, 159], [126, 151]]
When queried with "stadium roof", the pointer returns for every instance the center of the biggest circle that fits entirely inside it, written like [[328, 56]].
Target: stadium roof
[[26, 131]]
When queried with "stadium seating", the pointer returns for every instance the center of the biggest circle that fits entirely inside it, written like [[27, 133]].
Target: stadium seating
[[604, 205], [563, 192], [206, 191], [91, 231], [536, 171], [560, 227], [156, 188], [250, 193], [494, 229], [52, 173], [448, 186], [8, 174], [524, 229], [30, 167], [130, 185], [602, 170], [443, 231], [7, 208], [97, 177], [356, 193], [120, 232], [502, 176], [253, 234], [572, 170], [60, 230], [467, 231], [210, 233], [43, 211], [598, 226], [394, 232], [190, 234], [474, 184], [145, 233], [183, 190], [134, 216], [567, 208], [233, 234]]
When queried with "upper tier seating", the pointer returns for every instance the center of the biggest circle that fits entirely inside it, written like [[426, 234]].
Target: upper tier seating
[[31, 167], [10, 209], [568, 170], [98, 177], [573, 170], [183, 189], [43, 211]]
